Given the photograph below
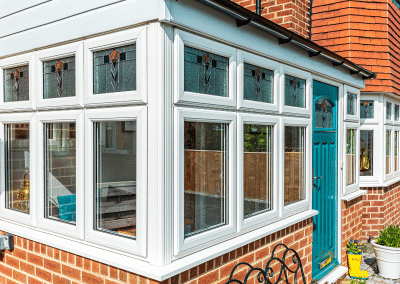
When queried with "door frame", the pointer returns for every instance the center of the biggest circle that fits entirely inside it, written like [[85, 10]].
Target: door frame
[[340, 161]]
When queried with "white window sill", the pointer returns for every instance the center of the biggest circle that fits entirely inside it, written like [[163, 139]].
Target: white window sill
[[142, 267], [377, 184], [334, 275], [354, 195]]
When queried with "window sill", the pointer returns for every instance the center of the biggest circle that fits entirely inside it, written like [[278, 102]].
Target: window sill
[[377, 184], [354, 195]]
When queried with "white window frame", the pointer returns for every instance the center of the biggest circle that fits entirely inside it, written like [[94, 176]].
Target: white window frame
[[73, 49], [305, 204], [291, 110], [375, 157], [396, 129], [180, 96], [17, 61], [28, 219], [396, 122], [208, 238], [377, 109], [271, 216], [138, 113], [348, 117], [390, 175], [354, 186], [245, 57], [385, 101], [138, 96], [75, 116]]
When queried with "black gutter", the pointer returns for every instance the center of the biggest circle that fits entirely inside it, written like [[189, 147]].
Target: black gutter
[[244, 16]]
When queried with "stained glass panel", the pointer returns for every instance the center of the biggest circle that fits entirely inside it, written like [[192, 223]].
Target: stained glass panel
[[257, 169], [367, 109], [16, 84], [388, 110], [59, 78], [366, 147], [388, 146], [396, 112], [351, 104], [351, 157], [323, 113], [205, 72], [295, 91], [114, 70], [258, 84]]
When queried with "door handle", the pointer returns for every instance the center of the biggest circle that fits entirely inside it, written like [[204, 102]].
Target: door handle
[[317, 178]]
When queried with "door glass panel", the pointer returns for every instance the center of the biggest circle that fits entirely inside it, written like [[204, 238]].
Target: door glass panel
[[388, 146], [258, 84], [323, 113], [59, 78], [115, 187], [366, 147], [351, 157], [206, 177], [17, 167], [114, 70], [16, 84], [295, 91], [60, 171], [351, 104], [294, 164], [257, 169], [205, 72], [367, 109]]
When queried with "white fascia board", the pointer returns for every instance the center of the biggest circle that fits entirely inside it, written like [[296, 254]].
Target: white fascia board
[[142, 267], [205, 20]]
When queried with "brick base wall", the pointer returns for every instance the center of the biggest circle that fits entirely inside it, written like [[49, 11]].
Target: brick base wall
[[32, 262]]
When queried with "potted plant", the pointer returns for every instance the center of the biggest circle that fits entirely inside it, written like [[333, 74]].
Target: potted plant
[[387, 252], [354, 255]]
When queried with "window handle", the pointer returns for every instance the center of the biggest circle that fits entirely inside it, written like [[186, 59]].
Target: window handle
[[317, 178]]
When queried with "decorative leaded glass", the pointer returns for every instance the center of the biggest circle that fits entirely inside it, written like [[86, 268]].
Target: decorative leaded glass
[[388, 142], [323, 113], [367, 148], [367, 109], [351, 157], [396, 112], [114, 70], [295, 91], [205, 72], [351, 104], [258, 84], [388, 110], [59, 78], [16, 84]]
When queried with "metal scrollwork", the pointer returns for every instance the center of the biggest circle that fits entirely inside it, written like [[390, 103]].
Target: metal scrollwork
[[265, 275]]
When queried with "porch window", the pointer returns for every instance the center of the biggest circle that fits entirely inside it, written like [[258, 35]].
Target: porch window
[[351, 156], [294, 164], [205, 72], [258, 84], [114, 70], [367, 109], [295, 91], [16, 84], [17, 167], [205, 176], [388, 111], [396, 112], [59, 78], [60, 171], [366, 147], [115, 185], [351, 104], [257, 169], [388, 150]]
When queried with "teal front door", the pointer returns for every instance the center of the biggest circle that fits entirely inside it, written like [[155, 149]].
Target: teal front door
[[325, 190]]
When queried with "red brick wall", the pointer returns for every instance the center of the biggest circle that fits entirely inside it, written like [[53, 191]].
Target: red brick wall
[[352, 213], [32, 262], [291, 14], [381, 208], [394, 45]]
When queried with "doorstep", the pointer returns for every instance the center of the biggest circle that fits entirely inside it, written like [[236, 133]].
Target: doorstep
[[334, 275]]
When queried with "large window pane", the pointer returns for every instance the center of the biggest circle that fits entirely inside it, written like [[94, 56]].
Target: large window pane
[[367, 109], [114, 70], [295, 164], [17, 167], [388, 150], [59, 78], [351, 157], [115, 188], [258, 84], [295, 91], [257, 169], [205, 171], [60, 171], [205, 72], [366, 147], [16, 84]]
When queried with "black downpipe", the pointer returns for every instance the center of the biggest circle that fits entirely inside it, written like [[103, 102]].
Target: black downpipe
[[258, 7], [310, 21]]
